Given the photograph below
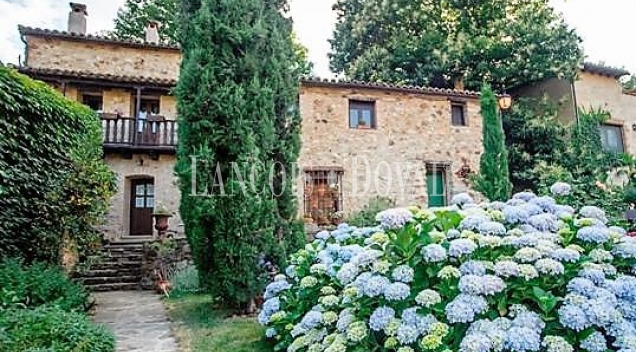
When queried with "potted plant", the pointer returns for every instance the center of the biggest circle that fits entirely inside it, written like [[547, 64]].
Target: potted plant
[[362, 124], [161, 215]]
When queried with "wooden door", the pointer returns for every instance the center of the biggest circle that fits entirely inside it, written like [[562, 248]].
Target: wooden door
[[142, 204], [436, 188]]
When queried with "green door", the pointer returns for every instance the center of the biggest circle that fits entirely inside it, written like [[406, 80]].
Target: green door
[[436, 189]]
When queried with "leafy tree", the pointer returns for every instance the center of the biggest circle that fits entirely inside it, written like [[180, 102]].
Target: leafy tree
[[531, 120], [237, 97], [493, 180], [132, 19], [506, 43]]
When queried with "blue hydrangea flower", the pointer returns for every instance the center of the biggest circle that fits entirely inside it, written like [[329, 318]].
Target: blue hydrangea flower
[[407, 334], [597, 276], [581, 286], [593, 234], [347, 273], [460, 247], [275, 288], [525, 196], [573, 317], [528, 319], [381, 318], [473, 267], [506, 268], [522, 339], [565, 255], [472, 222], [311, 319], [462, 199], [492, 228], [560, 189], [345, 318], [375, 286], [549, 267], [463, 308], [271, 305], [544, 222], [434, 253], [397, 291], [394, 218], [403, 273], [496, 205], [593, 212], [594, 343], [475, 343], [545, 203], [271, 332], [515, 214], [626, 248]]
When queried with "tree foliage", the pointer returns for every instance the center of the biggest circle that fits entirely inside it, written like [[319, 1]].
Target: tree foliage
[[133, 18], [506, 43], [237, 98], [493, 180], [54, 186], [531, 120]]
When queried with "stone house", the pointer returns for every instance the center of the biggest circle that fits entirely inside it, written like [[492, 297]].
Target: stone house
[[129, 84], [597, 86], [414, 145]]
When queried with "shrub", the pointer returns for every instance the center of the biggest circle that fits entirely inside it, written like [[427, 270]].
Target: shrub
[[39, 284], [54, 185], [527, 274], [185, 281], [51, 329], [366, 216]]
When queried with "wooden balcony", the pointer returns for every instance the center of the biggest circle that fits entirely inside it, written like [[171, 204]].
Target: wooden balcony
[[126, 134]]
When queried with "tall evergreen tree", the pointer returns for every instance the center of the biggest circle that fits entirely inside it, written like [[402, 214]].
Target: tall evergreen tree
[[493, 180], [236, 96], [133, 17]]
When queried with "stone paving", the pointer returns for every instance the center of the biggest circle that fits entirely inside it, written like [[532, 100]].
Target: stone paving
[[138, 320]]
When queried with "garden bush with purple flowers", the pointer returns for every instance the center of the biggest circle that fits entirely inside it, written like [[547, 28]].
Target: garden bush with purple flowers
[[528, 274]]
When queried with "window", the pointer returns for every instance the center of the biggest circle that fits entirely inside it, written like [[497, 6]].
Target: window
[[612, 138], [458, 114], [323, 195], [93, 99], [436, 185], [361, 114]]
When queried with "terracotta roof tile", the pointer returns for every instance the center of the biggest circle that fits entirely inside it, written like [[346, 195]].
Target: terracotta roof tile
[[316, 81], [603, 70], [94, 38], [31, 71]]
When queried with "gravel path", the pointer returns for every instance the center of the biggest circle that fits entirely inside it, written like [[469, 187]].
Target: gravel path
[[138, 320]]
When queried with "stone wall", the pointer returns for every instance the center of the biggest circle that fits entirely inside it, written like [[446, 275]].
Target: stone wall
[[596, 91], [116, 224], [102, 58], [413, 130]]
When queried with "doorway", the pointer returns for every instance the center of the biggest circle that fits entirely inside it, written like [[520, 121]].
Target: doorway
[[142, 204]]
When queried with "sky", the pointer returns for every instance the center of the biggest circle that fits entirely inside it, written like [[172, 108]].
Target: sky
[[605, 26]]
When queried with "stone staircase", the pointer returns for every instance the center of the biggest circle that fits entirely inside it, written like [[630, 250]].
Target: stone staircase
[[120, 268]]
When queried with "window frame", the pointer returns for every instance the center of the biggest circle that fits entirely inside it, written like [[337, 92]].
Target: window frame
[[362, 105], [321, 177], [92, 94], [462, 105], [604, 141]]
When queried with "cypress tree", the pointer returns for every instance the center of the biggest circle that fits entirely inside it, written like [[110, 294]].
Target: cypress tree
[[493, 180], [236, 99]]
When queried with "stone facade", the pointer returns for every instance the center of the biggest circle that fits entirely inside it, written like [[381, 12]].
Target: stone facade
[[103, 58], [414, 132], [167, 193]]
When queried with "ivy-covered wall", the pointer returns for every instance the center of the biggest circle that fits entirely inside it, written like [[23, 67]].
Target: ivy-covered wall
[[54, 186]]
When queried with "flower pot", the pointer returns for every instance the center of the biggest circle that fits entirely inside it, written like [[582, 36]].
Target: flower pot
[[161, 222]]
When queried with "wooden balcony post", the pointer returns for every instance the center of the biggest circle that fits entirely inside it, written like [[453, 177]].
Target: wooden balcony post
[[137, 110]]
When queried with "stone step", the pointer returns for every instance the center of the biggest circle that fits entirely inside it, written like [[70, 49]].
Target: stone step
[[110, 272], [90, 281], [114, 287]]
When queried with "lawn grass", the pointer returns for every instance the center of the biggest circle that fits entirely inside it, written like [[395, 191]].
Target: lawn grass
[[200, 327]]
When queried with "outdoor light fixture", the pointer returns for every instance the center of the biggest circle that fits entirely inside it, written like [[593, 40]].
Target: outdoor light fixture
[[505, 102]]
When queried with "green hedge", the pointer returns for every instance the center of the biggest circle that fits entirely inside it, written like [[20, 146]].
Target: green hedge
[[39, 284], [51, 329], [54, 185]]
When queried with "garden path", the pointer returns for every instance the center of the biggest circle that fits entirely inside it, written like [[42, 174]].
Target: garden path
[[138, 320]]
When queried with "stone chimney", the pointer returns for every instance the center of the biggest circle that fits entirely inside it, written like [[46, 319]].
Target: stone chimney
[[152, 32], [77, 18]]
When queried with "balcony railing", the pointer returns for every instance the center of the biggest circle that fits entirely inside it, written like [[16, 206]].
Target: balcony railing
[[153, 133]]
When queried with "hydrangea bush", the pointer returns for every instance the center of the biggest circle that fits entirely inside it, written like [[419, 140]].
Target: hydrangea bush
[[528, 274]]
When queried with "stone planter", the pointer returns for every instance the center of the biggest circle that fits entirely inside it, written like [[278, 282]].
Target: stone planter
[[161, 222]]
